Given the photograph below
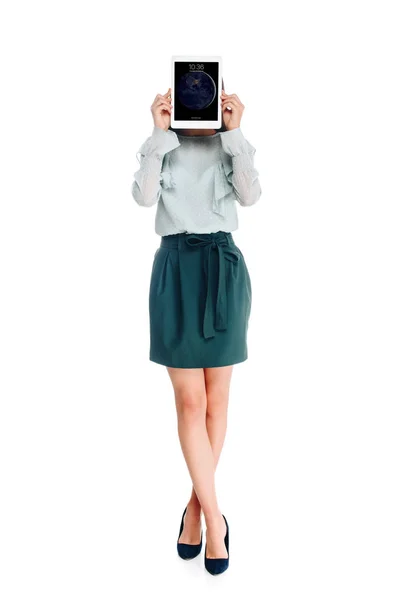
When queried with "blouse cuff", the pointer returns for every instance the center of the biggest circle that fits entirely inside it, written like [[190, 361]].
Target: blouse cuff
[[160, 142], [234, 143], [164, 141]]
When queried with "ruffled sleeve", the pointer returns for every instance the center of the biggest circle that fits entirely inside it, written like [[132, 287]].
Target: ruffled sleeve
[[240, 171], [159, 143], [222, 186], [148, 179]]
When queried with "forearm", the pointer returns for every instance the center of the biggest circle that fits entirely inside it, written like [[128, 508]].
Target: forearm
[[244, 177], [146, 187]]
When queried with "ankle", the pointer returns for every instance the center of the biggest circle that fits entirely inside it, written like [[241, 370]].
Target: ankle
[[213, 519], [194, 507]]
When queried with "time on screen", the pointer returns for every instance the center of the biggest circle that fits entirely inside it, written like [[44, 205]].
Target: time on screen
[[194, 66]]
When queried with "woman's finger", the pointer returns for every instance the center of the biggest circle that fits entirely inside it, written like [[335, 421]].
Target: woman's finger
[[163, 106], [230, 102], [227, 95], [160, 101], [233, 97], [233, 101], [161, 97]]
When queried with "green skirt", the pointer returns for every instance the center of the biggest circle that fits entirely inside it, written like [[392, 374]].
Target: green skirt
[[199, 301]]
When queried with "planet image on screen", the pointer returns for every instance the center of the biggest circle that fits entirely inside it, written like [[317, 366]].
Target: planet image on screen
[[196, 90]]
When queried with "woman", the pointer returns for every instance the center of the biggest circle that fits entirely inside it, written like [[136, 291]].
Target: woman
[[200, 293]]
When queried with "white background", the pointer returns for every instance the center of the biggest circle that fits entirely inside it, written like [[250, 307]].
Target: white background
[[93, 481]]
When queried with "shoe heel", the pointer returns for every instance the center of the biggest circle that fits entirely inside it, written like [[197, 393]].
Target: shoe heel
[[215, 566]]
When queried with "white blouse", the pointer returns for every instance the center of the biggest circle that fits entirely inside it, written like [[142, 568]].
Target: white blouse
[[196, 181]]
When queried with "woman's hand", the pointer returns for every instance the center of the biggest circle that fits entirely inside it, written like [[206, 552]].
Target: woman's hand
[[161, 110], [232, 117]]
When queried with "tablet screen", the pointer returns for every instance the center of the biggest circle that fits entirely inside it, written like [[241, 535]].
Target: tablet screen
[[196, 91]]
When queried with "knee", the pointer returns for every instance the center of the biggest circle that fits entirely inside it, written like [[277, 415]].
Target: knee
[[191, 405], [217, 405]]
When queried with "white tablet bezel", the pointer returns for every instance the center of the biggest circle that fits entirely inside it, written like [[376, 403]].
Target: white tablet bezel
[[196, 124]]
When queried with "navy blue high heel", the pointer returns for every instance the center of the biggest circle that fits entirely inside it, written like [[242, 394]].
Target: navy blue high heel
[[215, 566], [188, 551]]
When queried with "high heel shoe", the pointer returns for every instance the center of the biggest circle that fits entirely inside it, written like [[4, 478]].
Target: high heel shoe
[[215, 566], [188, 551]]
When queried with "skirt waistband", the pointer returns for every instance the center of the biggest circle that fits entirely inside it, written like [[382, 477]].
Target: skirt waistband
[[183, 240]]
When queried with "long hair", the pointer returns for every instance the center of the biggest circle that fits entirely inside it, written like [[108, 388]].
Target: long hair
[[220, 130]]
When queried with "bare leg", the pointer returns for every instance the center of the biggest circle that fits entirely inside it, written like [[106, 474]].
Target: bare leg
[[201, 400], [217, 382]]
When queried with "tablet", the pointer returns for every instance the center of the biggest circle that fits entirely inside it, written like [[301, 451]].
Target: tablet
[[196, 92]]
